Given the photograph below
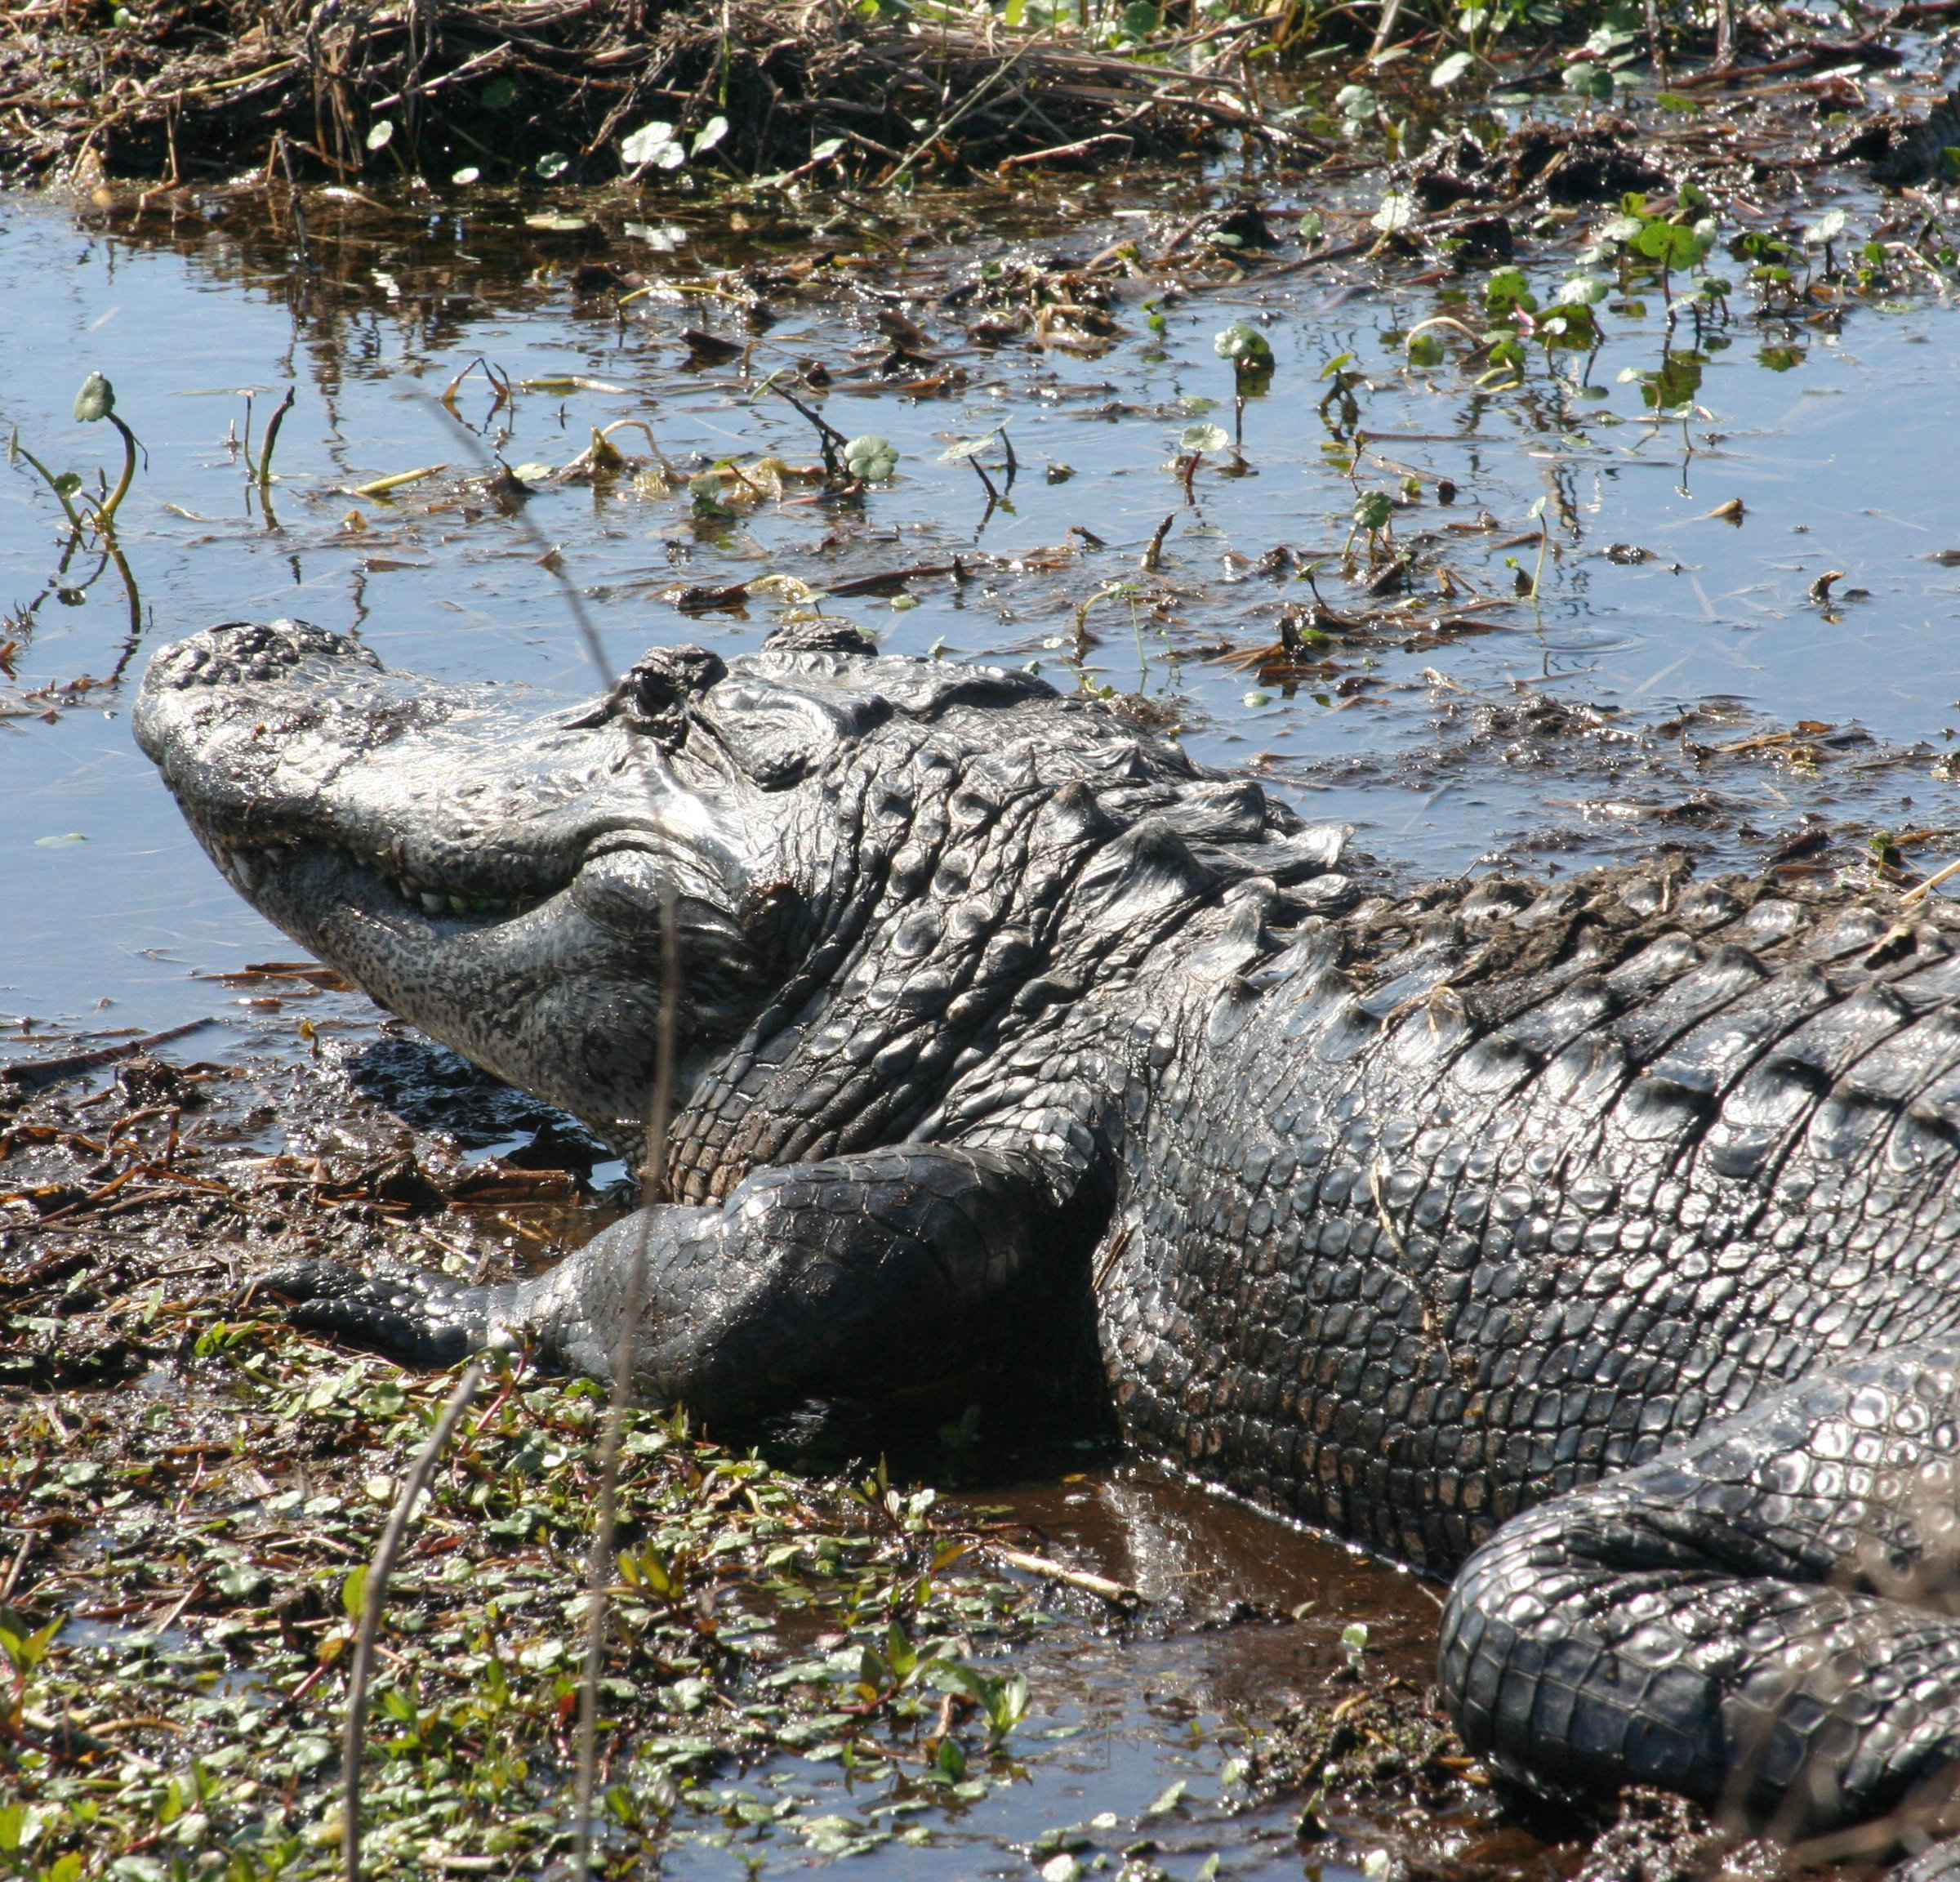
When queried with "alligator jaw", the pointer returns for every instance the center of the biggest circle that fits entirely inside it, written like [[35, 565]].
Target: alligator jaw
[[493, 876]]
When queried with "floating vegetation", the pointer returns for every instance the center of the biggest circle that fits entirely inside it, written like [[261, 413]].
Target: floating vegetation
[[193, 1584]]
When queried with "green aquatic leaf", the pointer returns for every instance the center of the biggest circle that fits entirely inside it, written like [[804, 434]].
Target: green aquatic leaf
[[1398, 209], [1448, 70], [1246, 346], [871, 459], [95, 400], [1207, 440], [1508, 289], [646, 145], [1374, 510]]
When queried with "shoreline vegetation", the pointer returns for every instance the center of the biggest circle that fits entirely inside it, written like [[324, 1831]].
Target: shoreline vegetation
[[705, 94]]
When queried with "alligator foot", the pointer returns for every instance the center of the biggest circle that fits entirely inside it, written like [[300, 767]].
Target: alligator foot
[[420, 1319], [1762, 1618]]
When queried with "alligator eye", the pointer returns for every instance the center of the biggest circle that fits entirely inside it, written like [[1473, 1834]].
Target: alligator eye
[[656, 694]]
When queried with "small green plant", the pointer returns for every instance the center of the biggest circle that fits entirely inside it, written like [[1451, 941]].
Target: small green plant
[[1343, 380], [94, 402], [1197, 443], [871, 459], [1663, 242], [661, 145], [1360, 109], [1003, 1701], [1250, 351], [1373, 517], [65, 486]]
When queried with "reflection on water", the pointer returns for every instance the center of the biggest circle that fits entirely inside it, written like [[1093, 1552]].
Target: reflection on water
[[1245, 1618], [1437, 742]]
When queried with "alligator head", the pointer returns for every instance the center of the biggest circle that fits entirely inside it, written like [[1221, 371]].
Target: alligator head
[[493, 873], [833, 828]]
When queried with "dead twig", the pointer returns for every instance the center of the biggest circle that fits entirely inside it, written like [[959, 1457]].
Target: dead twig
[[373, 1595]]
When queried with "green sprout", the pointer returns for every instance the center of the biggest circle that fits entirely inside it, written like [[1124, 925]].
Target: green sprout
[[1248, 350], [94, 402], [1374, 515]]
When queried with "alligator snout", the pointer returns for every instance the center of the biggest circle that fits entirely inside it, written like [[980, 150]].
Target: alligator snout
[[237, 652]]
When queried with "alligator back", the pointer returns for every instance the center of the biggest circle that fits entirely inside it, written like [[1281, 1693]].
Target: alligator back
[[1474, 1196]]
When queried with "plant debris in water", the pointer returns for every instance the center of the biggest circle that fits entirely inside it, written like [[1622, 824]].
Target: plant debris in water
[[193, 1491], [188, 1554]]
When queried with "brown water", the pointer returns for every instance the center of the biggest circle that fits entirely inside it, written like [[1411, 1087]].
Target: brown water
[[1244, 1618]]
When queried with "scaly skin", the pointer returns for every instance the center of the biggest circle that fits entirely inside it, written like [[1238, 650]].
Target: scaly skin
[[1596, 1243]]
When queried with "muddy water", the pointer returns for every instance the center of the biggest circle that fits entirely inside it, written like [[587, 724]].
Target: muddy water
[[1139, 1735], [1671, 680]]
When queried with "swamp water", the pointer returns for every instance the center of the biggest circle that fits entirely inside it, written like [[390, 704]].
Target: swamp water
[[1672, 679]]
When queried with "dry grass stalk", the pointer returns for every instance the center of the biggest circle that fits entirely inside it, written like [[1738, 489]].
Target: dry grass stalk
[[653, 1190], [373, 1595]]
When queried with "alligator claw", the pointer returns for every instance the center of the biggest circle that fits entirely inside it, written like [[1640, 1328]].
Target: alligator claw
[[420, 1319]]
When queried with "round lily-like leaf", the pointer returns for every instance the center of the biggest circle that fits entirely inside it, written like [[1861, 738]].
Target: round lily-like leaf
[[1246, 346], [1374, 510], [1448, 70], [1397, 211], [1425, 350], [871, 459], [381, 134], [95, 400], [646, 145], [1208, 440]]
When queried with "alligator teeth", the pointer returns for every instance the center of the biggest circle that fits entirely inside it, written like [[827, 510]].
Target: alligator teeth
[[244, 868]]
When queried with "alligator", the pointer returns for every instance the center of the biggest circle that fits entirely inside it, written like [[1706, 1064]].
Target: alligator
[[1595, 1243]]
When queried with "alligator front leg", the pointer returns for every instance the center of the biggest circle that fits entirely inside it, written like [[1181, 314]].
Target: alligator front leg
[[852, 1276], [1762, 1618]]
